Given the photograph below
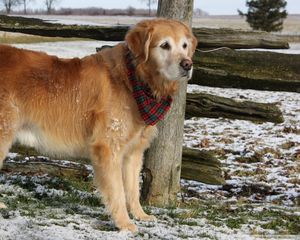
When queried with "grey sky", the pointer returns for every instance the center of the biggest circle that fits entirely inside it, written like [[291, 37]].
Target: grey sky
[[213, 7]]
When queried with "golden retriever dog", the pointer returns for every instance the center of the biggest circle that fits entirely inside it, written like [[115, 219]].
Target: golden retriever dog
[[91, 107]]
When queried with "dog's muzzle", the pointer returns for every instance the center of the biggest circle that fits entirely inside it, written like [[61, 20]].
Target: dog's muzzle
[[186, 68]]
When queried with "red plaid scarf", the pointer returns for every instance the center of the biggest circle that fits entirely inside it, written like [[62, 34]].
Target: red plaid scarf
[[150, 109]]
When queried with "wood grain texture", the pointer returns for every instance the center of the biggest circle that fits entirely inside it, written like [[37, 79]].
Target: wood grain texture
[[212, 106], [247, 69]]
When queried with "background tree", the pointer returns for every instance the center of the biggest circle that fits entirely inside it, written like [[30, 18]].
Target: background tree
[[150, 3], [162, 167], [266, 15], [50, 5], [25, 3], [130, 11], [9, 4]]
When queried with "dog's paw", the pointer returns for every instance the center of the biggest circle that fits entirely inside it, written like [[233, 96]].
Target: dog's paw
[[2, 205], [146, 217], [128, 227]]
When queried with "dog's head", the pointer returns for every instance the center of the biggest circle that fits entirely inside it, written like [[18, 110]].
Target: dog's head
[[163, 47]]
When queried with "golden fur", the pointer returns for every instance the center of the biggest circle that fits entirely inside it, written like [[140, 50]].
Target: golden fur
[[84, 107]]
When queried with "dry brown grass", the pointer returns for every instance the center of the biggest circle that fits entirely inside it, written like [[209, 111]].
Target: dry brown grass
[[10, 38]]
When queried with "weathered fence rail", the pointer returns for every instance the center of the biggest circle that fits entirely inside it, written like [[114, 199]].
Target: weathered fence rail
[[207, 37], [259, 70], [212, 106]]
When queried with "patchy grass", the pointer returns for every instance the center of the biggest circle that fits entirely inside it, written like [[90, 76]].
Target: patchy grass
[[44, 191], [282, 220], [54, 198], [12, 38]]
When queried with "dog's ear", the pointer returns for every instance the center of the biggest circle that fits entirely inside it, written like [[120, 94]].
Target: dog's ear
[[138, 40], [194, 41]]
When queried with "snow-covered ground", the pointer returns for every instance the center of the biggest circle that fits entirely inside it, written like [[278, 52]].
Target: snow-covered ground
[[66, 49], [83, 48], [294, 49], [260, 200]]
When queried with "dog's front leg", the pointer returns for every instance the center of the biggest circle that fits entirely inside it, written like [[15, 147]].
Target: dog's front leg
[[108, 177], [131, 172]]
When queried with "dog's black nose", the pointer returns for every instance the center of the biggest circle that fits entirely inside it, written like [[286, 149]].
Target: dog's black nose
[[186, 64]]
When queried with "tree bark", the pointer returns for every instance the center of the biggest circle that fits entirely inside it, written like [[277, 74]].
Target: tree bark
[[247, 69], [163, 160], [208, 38], [211, 106]]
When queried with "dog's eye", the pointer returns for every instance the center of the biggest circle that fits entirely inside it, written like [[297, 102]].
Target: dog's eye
[[184, 45], [165, 46]]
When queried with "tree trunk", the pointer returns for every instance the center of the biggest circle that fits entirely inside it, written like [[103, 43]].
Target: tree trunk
[[25, 8], [8, 8], [211, 106], [176, 9], [163, 160]]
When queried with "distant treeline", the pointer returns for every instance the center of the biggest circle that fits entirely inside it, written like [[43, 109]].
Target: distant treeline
[[94, 11]]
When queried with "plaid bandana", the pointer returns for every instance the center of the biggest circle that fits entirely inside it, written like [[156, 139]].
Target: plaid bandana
[[151, 111]]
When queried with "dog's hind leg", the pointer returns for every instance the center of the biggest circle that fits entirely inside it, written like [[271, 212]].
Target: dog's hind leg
[[108, 177], [8, 126]]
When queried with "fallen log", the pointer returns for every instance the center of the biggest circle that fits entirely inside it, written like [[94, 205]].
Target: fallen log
[[42, 165], [197, 165], [207, 37], [201, 166], [212, 106], [247, 70]]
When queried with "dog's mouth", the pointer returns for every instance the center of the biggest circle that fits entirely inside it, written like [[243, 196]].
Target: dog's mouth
[[186, 74], [175, 73]]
